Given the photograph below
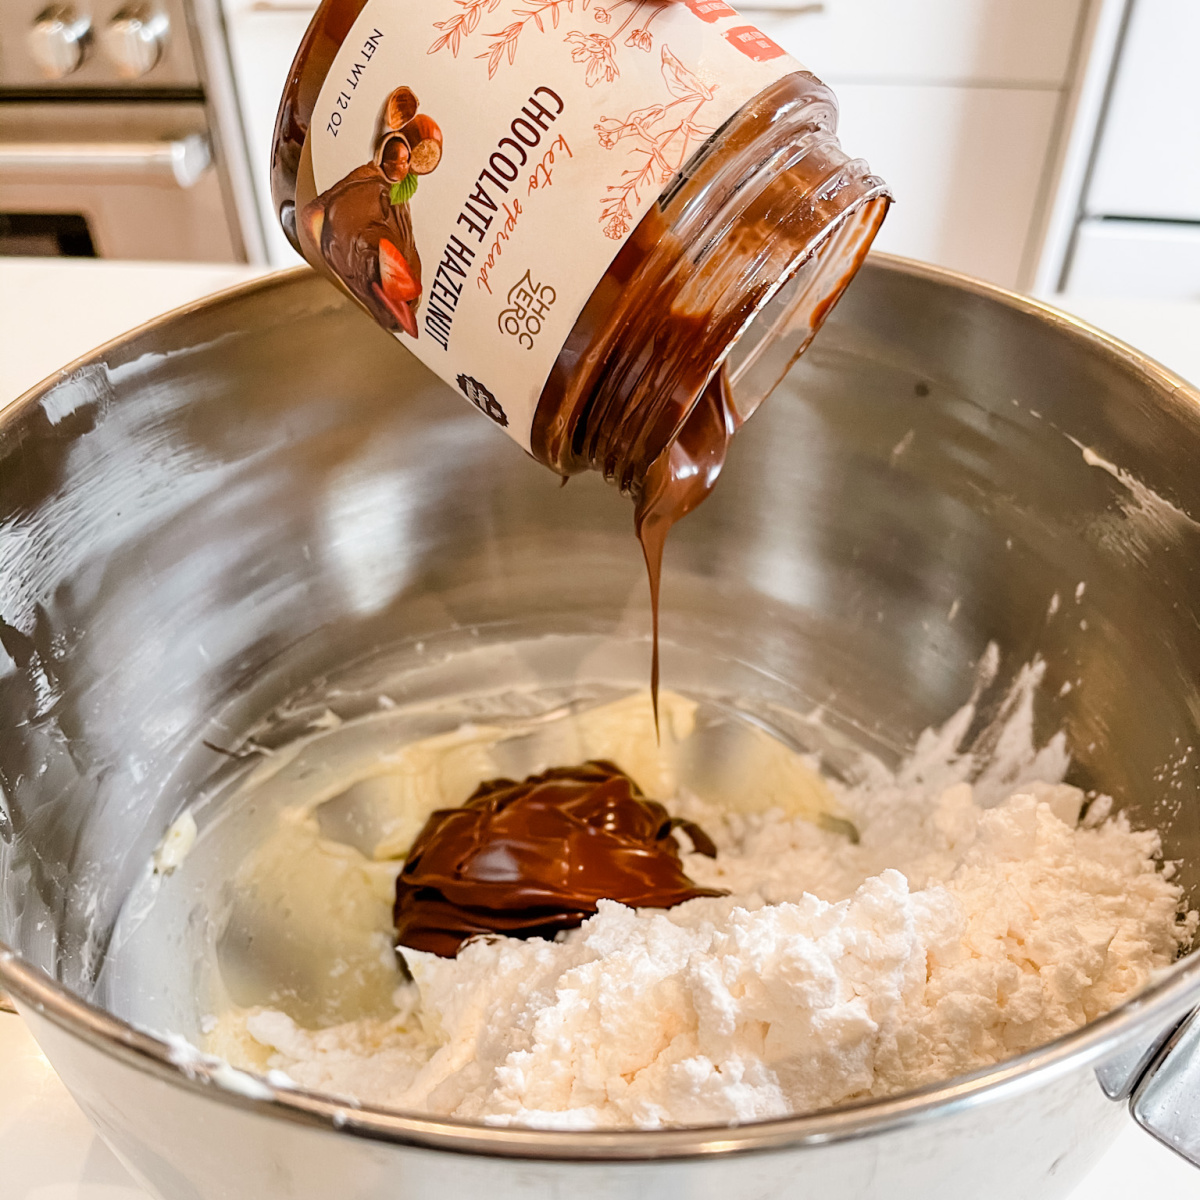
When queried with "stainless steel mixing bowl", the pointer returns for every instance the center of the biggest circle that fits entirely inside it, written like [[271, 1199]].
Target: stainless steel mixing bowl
[[262, 498]]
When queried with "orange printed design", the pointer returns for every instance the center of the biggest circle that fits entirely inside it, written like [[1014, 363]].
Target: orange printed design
[[710, 10], [661, 136], [753, 43], [595, 51], [542, 12], [461, 25]]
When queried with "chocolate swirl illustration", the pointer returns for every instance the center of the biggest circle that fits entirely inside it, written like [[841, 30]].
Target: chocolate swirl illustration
[[363, 223]]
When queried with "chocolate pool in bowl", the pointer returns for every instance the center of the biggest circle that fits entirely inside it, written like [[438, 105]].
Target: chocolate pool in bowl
[[212, 529]]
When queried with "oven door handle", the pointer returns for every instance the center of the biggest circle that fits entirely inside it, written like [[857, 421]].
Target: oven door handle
[[184, 160]]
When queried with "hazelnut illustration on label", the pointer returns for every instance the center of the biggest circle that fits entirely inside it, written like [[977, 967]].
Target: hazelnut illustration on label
[[363, 224]]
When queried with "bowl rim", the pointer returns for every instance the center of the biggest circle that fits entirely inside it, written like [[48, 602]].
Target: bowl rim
[[1154, 1010]]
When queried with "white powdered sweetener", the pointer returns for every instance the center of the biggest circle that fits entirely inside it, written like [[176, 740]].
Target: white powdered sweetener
[[957, 932]]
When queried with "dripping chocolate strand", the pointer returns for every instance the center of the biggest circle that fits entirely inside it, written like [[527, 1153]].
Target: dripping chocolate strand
[[676, 482]]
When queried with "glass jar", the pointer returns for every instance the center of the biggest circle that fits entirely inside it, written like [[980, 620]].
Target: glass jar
[[707, 289]]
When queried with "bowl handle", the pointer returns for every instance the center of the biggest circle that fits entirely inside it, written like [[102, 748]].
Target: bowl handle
[[1166, 1097]]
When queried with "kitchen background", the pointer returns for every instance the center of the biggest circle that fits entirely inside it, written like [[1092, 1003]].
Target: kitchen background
[[1045, 145], [1048, 145]]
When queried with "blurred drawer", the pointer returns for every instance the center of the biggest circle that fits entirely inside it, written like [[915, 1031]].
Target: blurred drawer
[[926, 41], [965, 165], [1152, 259], [1149, 159], [134, 181]]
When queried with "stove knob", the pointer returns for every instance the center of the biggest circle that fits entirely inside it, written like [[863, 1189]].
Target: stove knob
[[135, 38], [59, 40]]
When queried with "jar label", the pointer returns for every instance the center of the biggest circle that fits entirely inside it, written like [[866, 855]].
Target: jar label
[[477, 164]]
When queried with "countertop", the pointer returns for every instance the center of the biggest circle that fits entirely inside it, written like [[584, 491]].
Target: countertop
[[52, 311]]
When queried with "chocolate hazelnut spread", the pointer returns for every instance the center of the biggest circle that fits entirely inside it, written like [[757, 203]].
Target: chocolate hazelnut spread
[[627, 328], [677, 480], [532, 858]]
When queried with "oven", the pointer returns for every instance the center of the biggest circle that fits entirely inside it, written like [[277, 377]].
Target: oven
[[119, 133]]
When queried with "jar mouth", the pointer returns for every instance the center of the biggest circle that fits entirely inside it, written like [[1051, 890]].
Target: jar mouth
[[777, 257], [791, 311], [733, 269], [760, 279]]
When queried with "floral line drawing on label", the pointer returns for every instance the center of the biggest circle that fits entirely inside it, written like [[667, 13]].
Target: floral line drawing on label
[[596, 51], [461, 25], [664, 134], [508, 37]]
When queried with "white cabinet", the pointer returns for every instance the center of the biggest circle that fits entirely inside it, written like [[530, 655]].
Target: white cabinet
[[956, 103], [1153, 259], [263, 36], [965, 164], [1015, 42], [1148, 164], [1129, 219]]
